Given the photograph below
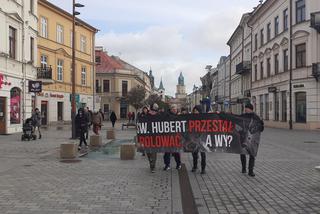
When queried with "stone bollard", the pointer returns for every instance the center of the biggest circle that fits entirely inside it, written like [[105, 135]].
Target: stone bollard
[[110, 134], [318, 168], [68, 150], [127, 151], [95, 140]]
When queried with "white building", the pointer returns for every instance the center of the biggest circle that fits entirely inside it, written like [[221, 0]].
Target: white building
[[18, 39], [284, 48], [240, 65], [223, 83]]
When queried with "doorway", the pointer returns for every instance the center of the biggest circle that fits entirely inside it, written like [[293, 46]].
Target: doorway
[[2, 115], [44, 112], [60, 111], [301, 107]]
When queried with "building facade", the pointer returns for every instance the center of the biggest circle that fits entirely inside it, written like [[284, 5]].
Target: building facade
[[114, 79], [285, 47], [222, 99], [240, 65], [55, 63], [18, 61]]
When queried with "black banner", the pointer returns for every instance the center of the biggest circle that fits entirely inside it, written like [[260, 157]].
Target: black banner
[[208, 132], [35, 86]]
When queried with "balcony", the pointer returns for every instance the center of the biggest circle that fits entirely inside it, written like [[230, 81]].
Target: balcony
[[243, 67], [44, 74], [316, 71]]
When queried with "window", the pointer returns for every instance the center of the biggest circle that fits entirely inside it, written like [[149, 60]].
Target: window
[[59, 34], [60, 70], [44, 27], [261, 70], [301, 55], [276, 63], [267, 106], [268, 67], [261, 38], [285, 60], [83, 75], [98, 59], [268, 32], [284, 106], [31, 49], [83, 44], [106, 108], [261, 106], [44, 61], [301, 107], [276, 26], [124, 88], [15, 106], [300, 11], [255, 72], [98, 89], [255, 42], [106, 86], [12, 42], [31, 6], [276, 106], [285, 19]]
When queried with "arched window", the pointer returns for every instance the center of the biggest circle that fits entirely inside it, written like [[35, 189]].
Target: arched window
[[15, 106]]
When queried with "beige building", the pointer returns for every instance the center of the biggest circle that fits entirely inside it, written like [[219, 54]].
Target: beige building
[[285, 47], [114, 79]]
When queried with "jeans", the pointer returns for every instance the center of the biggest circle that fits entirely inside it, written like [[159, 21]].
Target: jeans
[[195, 156], [167, 157], [82, 138]]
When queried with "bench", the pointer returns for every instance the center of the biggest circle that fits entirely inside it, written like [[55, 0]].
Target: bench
[[128, 125]]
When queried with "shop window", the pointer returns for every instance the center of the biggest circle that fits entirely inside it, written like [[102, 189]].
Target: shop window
[[15, 106], [301, 107]]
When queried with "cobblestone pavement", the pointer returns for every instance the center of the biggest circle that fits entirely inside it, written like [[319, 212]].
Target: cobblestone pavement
[[32, 180], [286, 180]]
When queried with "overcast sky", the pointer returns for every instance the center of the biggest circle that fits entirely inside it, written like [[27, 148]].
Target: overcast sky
[[170, 36]]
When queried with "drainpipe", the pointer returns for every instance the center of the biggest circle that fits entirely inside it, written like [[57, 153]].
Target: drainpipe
[[250, 87], [93, 72], [23, 66], [230, 109], [290, 70]]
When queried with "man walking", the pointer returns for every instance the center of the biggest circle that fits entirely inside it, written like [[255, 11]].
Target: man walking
[[81, 126], [250, 138], [36, 118]]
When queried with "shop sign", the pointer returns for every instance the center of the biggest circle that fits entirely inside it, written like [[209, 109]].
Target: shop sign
[[57, 95], [35, 86], [298, 86], [272, 89], [3, 82]]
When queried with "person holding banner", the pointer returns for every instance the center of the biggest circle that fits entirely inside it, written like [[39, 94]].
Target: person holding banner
[[195, 154], [250, 139], [167, 155], [144, 113], [152, 157]]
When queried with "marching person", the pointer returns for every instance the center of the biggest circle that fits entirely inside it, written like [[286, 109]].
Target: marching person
[[167, 155], [144, 112], [81, 127], [36, 120], [152, 157], [96, 122], [113, 118], [253, 128], [195, 154]]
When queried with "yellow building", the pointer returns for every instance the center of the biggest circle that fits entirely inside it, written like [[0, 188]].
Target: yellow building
[[55, 63]]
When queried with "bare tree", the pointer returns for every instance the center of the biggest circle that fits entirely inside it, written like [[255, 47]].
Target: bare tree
[[136, 96]]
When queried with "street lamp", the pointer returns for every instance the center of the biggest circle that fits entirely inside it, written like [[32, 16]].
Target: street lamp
[[73, 99]]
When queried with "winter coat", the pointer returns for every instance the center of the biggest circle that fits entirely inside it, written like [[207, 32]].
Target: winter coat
[[81, 121], [113, 117], [36, 119], [250, 136], [97, 118]]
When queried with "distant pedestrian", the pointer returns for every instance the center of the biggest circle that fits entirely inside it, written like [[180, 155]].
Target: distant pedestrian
[[167, 155], [113, 118], [129, 116], [96, 122], [133, 116], [88, 114], [144, 113], [195, 154], [36, 120], [152, 157], [102, 114], [250, 138], [81, 127]]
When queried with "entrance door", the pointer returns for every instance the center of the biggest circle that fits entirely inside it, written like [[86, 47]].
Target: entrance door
[[123, 112], [2, 115], [301, 107], [44, 112], [60, 111]]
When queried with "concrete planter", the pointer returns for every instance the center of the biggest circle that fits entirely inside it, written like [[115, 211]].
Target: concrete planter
[[68, 150], [127, 151]]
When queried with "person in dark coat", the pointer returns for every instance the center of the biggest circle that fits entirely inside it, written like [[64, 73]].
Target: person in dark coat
[[133, 116], [152, 157], [143, 113], [102, 114], [36, 120], [82, 126], [113, 118], [195, 154], [167, 155], [250, 138]]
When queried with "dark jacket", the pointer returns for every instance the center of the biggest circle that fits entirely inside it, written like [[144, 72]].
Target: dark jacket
[[113, 117], [82, 121]]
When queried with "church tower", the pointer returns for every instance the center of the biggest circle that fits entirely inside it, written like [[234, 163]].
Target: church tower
[[181, 88], [162, 90], [151, 78]]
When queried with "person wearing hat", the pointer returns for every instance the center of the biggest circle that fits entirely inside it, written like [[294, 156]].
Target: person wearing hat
[[250, 139], [167, 155], [195, 154]]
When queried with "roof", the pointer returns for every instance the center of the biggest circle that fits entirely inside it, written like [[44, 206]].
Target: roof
[[107, 63]]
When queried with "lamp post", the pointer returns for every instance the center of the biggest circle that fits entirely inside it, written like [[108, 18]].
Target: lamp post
[[73, 99]]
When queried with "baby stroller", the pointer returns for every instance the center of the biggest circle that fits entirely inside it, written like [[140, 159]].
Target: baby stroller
[[28, 130]]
